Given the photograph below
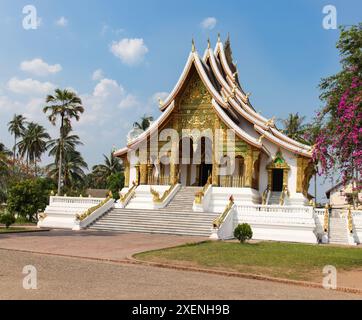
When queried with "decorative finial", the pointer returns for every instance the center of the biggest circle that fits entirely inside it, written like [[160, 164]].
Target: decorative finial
[[193, 45], [208, 43], [218, 37], [261, 138], [247, 96], [160, 102]]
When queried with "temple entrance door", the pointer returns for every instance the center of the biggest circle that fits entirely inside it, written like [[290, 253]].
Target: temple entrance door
[[205, 171], [277, 180]]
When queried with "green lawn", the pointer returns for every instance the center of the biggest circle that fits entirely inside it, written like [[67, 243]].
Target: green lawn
[[285, 260], [12, 229]]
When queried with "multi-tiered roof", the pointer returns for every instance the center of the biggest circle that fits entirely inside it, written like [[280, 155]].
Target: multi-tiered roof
[[220, 76]]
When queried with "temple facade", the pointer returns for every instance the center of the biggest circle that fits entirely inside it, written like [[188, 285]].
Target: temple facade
[[207, 164], [209, 133]]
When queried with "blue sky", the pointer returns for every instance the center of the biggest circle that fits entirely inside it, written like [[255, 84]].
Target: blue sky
[[139, 49]]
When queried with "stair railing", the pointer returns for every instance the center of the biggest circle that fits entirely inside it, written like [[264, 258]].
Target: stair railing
[[265, 196], [326, 219], [285, 192], [350, 220], [220, 219], [200, 194], [157, 197], [128, 195]]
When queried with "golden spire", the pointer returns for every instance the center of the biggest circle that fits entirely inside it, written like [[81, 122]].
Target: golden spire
[[218, 37], [208, 43], [247, 96], [193, 45], [160, 102]]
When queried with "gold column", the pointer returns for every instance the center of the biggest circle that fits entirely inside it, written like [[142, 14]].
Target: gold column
[[137, 167], [143, 173], [249, 168], [174, 155], [300, 169], [126, 172], [215, 154], [149, 173]]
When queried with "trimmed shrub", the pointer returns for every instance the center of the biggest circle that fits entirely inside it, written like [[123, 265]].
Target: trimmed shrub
[[28, 197], [243, 232], [7, 218]]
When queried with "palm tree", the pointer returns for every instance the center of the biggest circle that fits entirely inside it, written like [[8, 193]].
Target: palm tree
[[16, 127], [101, 172], [73, 166], [294, 127], [144, 123], [70, 141], [66, 105], [4, 170], [33, 143]]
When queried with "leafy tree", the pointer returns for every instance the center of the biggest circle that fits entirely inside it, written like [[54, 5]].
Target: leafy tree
[[4, 170], [144, 123], [28, 197], [115, 183], [66, 105], [7, 219], [16, 127], [294, 127], [338, 145], [101, 172], [73, 166], [33, 143]]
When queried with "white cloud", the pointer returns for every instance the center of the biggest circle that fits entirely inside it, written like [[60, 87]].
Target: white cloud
[[209, 23], [130, 51], [129, 101], [97, 75], [30, 87], [39, 67], [108, 88], [61, 22]]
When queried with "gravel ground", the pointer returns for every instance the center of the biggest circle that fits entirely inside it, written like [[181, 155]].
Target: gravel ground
[[76, 278]]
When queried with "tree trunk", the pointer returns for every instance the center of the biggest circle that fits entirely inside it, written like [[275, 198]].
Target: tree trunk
[[60, 157], [14, 151]]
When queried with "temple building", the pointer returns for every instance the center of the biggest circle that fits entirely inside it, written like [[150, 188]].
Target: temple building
[[268, 167], [207, 164]]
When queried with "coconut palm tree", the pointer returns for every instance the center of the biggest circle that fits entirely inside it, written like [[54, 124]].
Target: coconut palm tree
[[101, 172], [73, 167], [69, 143], [294, 128], [144, 123], [33, 143], [64, 104], [16, 127]]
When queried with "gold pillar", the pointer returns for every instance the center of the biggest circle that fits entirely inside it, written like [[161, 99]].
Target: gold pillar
[[137, 167], [143, 173], [249, 168], [149, 173], [126, 172]]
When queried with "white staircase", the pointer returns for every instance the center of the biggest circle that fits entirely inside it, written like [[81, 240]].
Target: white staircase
[[176, 218], [274, 198], [183, 200], [337, 229]]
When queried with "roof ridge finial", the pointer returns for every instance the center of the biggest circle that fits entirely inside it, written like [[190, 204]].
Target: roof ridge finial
[[218, 37], [208, 43], [193, 49]]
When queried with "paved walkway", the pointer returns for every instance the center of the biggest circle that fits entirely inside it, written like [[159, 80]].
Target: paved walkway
[[75, 278], [91, 244]]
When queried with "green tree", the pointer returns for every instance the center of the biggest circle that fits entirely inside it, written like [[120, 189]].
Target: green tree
[[66, 105], [73, 166], [338, 144], [294, 127], [101, 172], [33, 143], [28, 197], [115, 183], [144, 123], [16, 127]]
